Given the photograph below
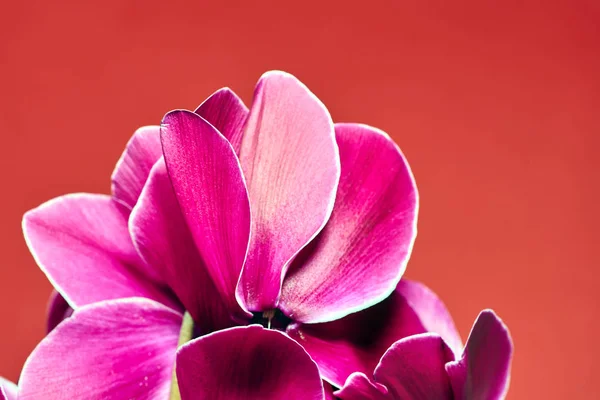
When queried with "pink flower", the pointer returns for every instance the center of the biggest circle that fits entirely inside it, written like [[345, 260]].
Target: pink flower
[[423, 367], [272, 215]]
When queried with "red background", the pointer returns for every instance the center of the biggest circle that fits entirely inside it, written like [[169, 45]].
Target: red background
[[496, 108]]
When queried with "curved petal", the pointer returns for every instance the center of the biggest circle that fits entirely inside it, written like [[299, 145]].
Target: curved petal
[[432, 313], [226, 112], [81, 242], [247, 363], [413, 369], [291, 164], [359, 387], [359, 257], [161, 235], [483, 372], [209, 186], [356, 342], [119, 349], [58, 310], [8, 390], [131, 172]]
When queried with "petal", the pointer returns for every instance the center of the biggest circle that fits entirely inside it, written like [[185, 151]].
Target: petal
[[81, 242], [356, 342], [226, 112], [119, 349], [58, 310], [359, 387], [291, 164], [161, 235], [131, 172], [247, 363], [413, 368], [210, 189], [432, 312], [483, 372], [359, 257], [8, 390], [328, 389]]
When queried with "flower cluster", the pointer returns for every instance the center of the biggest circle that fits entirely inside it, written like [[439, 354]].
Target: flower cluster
[[250, 254]]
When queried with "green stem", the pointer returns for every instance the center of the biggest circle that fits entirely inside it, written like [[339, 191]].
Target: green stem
[[185, 335]]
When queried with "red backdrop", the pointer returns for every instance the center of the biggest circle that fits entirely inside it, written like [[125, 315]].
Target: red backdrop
[[496, 108]]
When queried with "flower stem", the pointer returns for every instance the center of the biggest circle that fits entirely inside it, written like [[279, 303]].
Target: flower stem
[[185, 335]]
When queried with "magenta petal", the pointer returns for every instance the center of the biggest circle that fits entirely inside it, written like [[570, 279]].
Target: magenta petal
[[432, 313], [328, 390], [8, 390], [163, 239], [359, 387], [483, 372], [356, 342], [132, 169], [291, 165], [226, 112], [82, 244], [247, 363], [210, 189], [119, 349], [360, 255], [58, 310], [413, 369]]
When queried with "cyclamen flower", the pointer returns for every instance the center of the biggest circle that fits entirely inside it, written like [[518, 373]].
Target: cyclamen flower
[[272, 215], [424, 367]]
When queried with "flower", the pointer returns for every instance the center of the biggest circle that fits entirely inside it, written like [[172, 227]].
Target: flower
[[424, 367], [8, 390], [272, 215]]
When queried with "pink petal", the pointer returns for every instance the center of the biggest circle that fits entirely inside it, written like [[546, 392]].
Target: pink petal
[[247, 363], [119, 349], [483, 372], [210, 189], [359, 387], [356, 342], [226, 112], [161, 235], [8, 390], [58, 310], [132, 169], [413, 369], [81, 242], [328, 389], [291, 164], [432, 312], [359, 257]]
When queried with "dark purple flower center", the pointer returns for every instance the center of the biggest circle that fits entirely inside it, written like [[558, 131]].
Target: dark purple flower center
[[272, 319]]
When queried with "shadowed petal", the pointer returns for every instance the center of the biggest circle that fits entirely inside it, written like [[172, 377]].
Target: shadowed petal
[[244, 364], [328, 389], [432, 313], [290, 161], [82, 244], [359, 387], [58, 310], [131, 172], [8, 390], [120, 349], [413, 369], [210, 189], [357, 342], [483, 372], [226, 112], [359, 257], [161, 235]]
